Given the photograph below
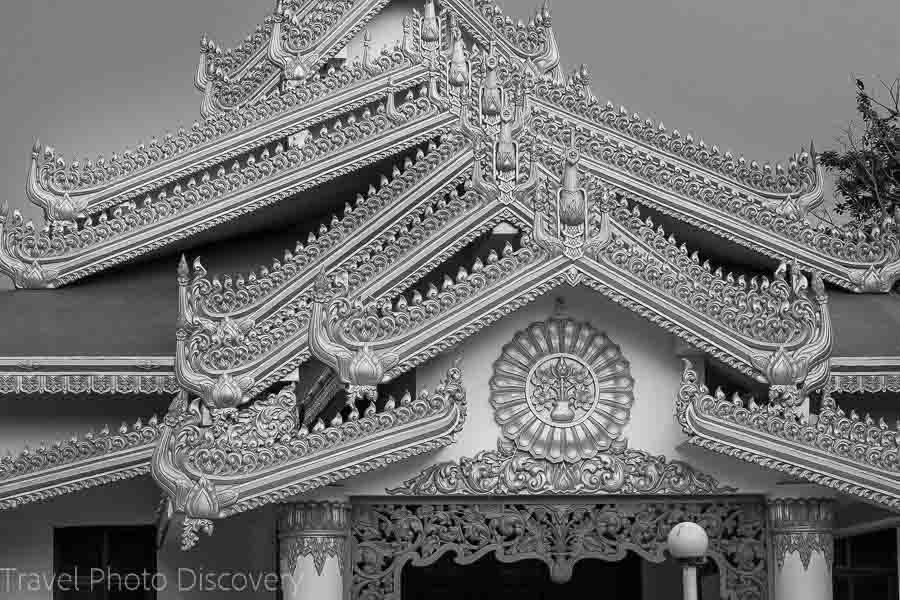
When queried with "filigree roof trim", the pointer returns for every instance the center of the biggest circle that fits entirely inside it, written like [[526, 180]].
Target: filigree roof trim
[[285, 357], [511, 472], [92, 186], [35, 259], [859, 261], [848, 453], [378, 269], [418, 328], [770, 311], [486, 22], [82, 462], [392, 256], [396, 199], [801, 178], [308, 35], [214, 465], [745, 323]]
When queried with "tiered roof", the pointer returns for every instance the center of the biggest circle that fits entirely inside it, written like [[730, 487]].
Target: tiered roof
[[497, 137]]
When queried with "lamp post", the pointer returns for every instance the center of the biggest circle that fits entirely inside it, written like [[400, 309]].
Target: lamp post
[[687, 544]]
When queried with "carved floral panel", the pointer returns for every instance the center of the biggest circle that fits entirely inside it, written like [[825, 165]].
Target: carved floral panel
[[387, 537]]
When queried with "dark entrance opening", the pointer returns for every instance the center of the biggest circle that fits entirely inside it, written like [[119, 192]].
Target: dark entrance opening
[[490, 579]]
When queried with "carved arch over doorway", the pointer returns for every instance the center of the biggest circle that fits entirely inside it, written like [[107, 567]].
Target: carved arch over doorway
[[386, 537]]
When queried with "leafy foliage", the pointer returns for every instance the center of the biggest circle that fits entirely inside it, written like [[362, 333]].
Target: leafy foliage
[[867, 165]]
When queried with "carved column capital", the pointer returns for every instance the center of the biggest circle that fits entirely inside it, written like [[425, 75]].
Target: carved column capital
[[316, 529], [802, 525]]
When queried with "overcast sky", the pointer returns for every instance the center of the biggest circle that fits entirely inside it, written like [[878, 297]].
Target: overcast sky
[[759, 77]]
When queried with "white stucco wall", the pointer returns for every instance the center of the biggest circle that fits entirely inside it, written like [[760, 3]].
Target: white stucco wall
[[655, 368]]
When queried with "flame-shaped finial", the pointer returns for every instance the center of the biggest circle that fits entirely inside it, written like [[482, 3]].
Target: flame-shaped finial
[[429, 31], [505, 160], [459, 70], [572, 199]]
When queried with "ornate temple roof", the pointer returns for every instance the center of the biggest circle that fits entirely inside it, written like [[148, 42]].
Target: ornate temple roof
[[494, 136]]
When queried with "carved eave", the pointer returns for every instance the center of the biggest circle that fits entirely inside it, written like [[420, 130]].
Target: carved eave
[[87, 375], [51, 258], [301, 36], [425, 325], [850, 454], [91, 460], [267, 464], [114, 195], [64, 190], [405, 197], [753, 206], [420, 227]]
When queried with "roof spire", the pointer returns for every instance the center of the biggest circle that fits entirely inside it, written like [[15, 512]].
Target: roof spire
[[184, 272]]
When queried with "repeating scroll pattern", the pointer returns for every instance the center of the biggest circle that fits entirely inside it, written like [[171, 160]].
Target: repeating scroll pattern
[[507, 471], [815, 449], [209, 461], [798, 178], [57, 175]]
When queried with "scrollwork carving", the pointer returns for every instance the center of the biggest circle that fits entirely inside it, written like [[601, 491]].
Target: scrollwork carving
[[507, 471], [775, 437], [214, 463], [388, 536]]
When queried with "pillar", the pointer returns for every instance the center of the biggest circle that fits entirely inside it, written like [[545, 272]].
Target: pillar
[[801, 537], [312, 547]]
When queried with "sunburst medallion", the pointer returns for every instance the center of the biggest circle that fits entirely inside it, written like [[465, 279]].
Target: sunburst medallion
[[562, 391]]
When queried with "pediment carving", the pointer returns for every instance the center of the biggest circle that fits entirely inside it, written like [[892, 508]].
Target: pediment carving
[[562, 394]]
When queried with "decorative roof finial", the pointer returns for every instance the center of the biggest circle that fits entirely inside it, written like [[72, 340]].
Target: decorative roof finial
[[458, 75], [491, 93], [572, 200], [184, 273], [430, 32], [506, 151]]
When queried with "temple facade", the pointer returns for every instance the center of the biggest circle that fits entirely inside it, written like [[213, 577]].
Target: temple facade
[[511, 337]]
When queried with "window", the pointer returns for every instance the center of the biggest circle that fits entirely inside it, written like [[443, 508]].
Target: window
[[104, 563], [865, 566]]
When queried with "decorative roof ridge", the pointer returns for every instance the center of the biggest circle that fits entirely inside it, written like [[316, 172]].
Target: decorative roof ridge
[[299, 42], [28, 255], [861, 261], [211, 349], [851, 454], [777, 313], [759, 295], [233, 295], [802, 176], [81, 462], [268, 453], [215, 57], [259, 347], [377, 324], [53, 184], [78, 447], [533, 42], [384, 331]]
